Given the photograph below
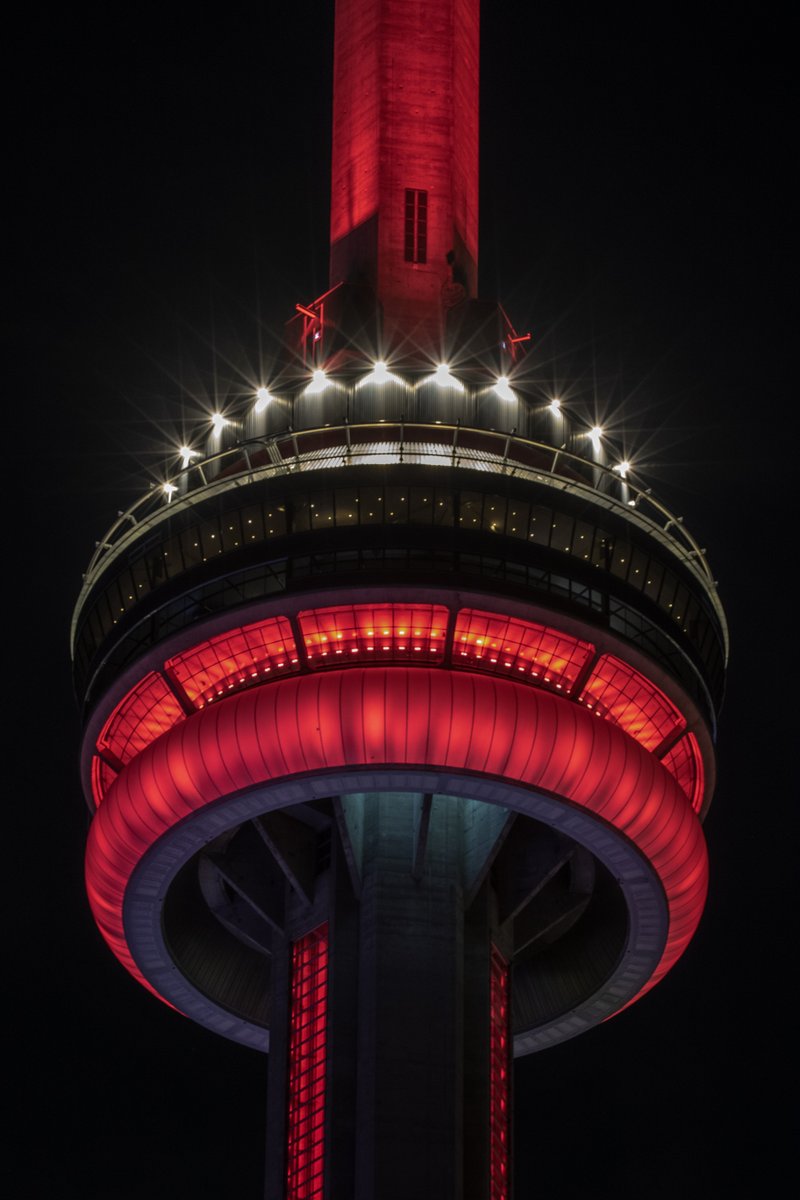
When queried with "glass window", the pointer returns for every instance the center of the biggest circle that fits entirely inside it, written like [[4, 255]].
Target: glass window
[[347, 506], [602, 549], [416, 226], [470, 510], [561, 532], [252, 523], [231, 531], [582, 538], [621, 559], [653, 579], [421, 505], [368, 633], [506, 645], [396, 506], [371, 505], [321, 510], [443, 507], [494, 514], [190, 546], [300, 512], [541, 520], [620, 694], [638, 572], [210, 538], [172, 557], [235, 660], [147, 711], [669, 590], [518, 518], [274, 518]]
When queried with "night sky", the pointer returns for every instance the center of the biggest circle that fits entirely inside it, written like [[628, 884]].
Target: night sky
[[168, 180]]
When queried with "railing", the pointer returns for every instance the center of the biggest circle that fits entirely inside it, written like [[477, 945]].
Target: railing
[[351, 446]]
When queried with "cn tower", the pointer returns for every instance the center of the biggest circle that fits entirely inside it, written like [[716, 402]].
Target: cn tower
[[400, 696]]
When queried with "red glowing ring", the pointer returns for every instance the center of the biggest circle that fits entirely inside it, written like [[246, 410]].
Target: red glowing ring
[[268, 744]]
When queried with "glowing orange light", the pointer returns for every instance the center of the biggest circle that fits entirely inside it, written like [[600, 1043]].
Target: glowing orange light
[[624, 696], [225, 660], [354, 625], [536, 648]]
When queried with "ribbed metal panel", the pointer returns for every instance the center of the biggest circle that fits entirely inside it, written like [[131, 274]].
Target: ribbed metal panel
[[272, 419], [445, 404], [388, 401], [495, 412], [315, 409]]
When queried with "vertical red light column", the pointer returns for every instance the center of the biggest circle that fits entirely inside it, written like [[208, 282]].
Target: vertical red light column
[[307, 1061], [500, 1079], [404, 188]]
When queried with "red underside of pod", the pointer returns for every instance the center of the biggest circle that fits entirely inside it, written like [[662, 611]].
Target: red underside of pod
[[404, 717]]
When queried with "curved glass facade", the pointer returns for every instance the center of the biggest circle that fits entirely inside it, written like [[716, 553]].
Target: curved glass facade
[[423, 634], [596, 555]]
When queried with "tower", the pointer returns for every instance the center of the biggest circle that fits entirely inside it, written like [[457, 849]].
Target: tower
[[399, 701]]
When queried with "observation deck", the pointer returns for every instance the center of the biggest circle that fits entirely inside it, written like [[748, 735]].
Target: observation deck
[[345, 480], [436, 520]]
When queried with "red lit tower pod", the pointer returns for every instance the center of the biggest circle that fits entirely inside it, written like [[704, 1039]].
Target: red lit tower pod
[[399, 709]]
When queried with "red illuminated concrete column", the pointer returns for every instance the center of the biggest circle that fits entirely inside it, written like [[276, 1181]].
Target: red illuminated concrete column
[[404, 194]]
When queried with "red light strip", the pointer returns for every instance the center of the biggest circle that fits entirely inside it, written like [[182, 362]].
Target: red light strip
[[307, 1040], [505, 645], [359, 634], [102, 777], [148, 710], [499, 1078], [620, 694], [234, 660], [685, 763], [402, 715], [386, 632]]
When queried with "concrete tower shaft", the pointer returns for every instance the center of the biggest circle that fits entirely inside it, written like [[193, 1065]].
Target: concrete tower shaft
[[404, 194]]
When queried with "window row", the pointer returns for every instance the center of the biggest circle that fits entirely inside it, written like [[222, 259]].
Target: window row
[[536, 524], [428, 634]]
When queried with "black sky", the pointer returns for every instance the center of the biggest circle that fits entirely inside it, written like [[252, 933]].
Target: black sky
[[168, 180]]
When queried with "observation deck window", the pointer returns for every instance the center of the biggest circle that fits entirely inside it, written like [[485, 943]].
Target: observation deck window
[[396, 507], [653, 579], [541, 521], [421, 505], [561, 532], [347, 506], [370, 508], [518, 519], [253, 523]]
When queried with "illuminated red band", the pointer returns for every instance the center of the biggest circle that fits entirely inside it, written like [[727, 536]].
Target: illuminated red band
[[499, 1078], [307, 1059], [355, 634], [402, 716]]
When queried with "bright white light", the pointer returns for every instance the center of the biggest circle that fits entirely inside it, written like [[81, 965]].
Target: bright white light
[[380, 373], [555, 406], [187, 454], [263, 398], [503, 388], [169, 490], [445, 379], [218, 421], [319, 381], [622, 469], [595, 434]]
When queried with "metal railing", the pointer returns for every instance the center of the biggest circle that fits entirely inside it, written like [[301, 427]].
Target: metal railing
[[346, 445]]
